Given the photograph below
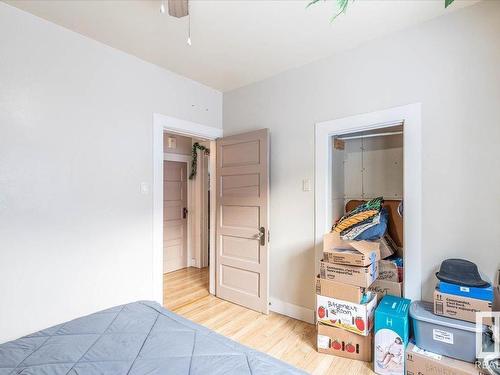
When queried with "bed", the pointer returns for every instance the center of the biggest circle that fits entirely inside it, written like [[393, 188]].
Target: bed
[[137, 338]]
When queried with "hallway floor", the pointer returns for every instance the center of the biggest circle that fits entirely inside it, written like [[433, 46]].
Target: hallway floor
[[184, 286]]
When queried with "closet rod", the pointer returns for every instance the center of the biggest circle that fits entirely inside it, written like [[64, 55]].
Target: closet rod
[[369, 135]]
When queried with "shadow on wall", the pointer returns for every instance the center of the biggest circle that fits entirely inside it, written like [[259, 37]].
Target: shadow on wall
[[304, 291]]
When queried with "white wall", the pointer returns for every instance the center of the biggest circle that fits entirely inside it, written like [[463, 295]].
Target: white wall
[[450, 65], [75, 144]]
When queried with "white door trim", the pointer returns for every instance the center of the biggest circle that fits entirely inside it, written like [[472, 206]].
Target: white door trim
[[411, 115], [177, 157], [161, 124], [186, 128]]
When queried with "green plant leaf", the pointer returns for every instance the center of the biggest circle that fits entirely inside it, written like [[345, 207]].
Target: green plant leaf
[[311, 3], [342, 5], [335, 16]]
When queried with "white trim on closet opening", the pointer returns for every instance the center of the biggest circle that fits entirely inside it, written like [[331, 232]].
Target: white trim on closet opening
[[410, 115]]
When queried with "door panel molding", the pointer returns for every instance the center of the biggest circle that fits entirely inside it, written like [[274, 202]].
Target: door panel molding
[[175, 231], [242, 175]]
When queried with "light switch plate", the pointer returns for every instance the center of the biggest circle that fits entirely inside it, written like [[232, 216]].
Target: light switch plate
[[144, 188], [306, 185], [171, 142]]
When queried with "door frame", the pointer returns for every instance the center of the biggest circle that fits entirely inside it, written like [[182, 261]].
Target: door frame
[[412, 154], [184, 159], [162, 124]]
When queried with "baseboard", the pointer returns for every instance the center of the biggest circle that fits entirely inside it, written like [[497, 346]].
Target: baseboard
[[291, 310]]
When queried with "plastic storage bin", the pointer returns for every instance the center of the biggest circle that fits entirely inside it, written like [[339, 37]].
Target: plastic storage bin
[[445, 336]]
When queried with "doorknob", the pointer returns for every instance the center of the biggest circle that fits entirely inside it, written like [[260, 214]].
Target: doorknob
[[184, 212], [262, 236]]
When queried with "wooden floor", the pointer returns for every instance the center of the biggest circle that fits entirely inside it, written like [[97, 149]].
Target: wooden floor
[[290, 340], [184, 286]]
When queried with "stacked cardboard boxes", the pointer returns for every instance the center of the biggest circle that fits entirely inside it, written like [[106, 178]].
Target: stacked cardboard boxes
[[349, 262], [390, 278], [446, 331], [344, 306], [459, 302]]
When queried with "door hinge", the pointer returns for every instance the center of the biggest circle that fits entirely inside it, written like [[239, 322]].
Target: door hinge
[[268, 236]]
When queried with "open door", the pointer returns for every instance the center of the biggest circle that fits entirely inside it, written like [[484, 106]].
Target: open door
[[175, 219], [243, 219]]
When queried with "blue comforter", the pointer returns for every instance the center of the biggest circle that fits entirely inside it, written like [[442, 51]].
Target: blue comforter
[[138, 338]]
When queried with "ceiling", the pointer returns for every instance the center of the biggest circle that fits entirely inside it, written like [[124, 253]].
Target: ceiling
[[234, 42]]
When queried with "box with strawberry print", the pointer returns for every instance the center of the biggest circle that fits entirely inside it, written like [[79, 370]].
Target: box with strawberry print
[[354, 317], [343, 343]]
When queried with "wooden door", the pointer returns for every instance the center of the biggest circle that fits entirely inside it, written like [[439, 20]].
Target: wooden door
[[174, 215], [243, 219]]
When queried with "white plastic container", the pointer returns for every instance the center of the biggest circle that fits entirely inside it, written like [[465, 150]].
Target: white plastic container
[[441, 335]]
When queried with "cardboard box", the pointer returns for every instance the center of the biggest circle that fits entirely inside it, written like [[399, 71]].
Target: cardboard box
[[353, 275], [384, 287], [385, 248], [342, 343], [354, 253], [388, 270], [392, 332], [354, 317], [422, 362], [345, 292], [485, 293], [459, 307]]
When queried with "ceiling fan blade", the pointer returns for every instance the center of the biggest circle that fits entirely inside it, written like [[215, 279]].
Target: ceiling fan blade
[[178, 8]]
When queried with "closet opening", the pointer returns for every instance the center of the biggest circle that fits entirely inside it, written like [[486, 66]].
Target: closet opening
[[367, 165], [370, 155]]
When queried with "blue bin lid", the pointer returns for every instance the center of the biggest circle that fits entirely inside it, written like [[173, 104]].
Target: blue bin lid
[[423, 311]]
